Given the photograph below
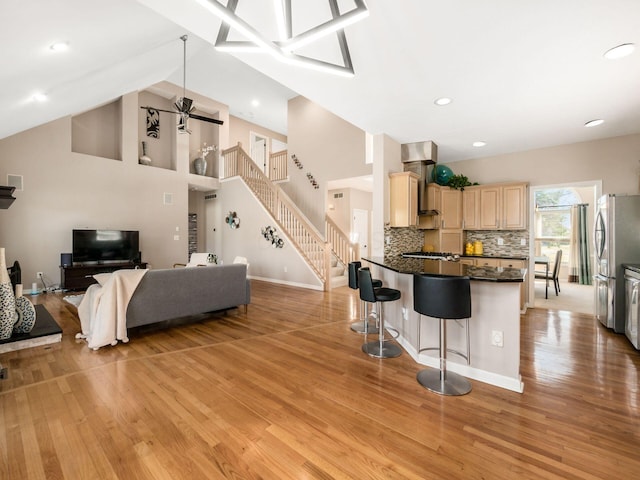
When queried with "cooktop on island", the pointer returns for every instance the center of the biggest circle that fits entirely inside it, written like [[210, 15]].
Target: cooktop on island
[[448, 256]]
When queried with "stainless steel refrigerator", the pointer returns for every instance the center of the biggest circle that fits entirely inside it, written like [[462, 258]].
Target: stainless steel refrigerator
[[616, 241]]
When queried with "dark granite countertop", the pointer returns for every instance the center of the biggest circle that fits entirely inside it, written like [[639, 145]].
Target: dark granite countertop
[[442, 267], [506, 257], [632, 266]]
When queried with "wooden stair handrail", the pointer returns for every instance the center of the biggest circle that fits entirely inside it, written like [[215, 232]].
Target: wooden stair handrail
[[305, 237], [343, 248]]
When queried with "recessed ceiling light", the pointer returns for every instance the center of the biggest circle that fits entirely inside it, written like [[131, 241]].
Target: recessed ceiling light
[[594, 123], [255, 103], [479, 144], [40, 97], [620, 51], [442, 101], [59, 46]]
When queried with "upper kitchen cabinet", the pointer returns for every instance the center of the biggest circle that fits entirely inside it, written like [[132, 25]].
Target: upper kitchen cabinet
[[403, 209], [502, 207], [471, 208], [448, 203]]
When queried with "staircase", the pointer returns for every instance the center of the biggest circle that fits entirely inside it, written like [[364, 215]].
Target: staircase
[[326, 257]]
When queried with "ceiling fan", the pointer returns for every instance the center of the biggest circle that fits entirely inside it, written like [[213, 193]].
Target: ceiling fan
[[184, 106]]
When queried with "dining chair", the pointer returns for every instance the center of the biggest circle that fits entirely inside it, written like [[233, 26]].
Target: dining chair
[[554, 274]]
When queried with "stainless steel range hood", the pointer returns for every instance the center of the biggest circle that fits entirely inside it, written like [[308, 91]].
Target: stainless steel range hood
[[419, 158]]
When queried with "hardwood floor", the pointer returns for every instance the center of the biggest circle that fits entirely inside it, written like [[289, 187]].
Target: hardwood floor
[[283, 391]]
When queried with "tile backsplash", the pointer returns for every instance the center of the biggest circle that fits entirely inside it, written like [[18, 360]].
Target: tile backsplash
[[411, 239], [511, 241], [401, 240]]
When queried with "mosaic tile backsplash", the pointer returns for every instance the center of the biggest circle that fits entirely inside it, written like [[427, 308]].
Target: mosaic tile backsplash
[[511, 238], [401, 240], [411, 239]]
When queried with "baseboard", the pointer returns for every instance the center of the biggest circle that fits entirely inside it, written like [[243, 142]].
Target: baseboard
[[285, 282]]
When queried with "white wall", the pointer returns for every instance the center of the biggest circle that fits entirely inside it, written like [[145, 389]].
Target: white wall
[[328, 147], [65, 190], [265, 262], [615, 161]]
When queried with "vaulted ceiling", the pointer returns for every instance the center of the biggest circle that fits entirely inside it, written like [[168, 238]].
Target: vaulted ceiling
[[522, 75]]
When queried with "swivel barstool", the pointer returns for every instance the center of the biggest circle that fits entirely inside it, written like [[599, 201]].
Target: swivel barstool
[[363, 326], [382, 348], [445, 298]]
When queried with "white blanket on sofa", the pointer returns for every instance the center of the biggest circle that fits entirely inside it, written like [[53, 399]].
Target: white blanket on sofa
[[103, 310]]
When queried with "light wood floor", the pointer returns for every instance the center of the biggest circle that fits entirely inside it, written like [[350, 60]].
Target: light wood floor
[[284, 392]]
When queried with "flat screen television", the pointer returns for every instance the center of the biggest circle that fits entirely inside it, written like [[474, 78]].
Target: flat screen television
[[105, 246]]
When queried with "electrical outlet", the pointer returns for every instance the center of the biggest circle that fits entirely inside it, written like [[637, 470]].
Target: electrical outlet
[[497, 338], [39, 275], [285, 269], [405, 313], [500, 241], [176, 237], [523, 242]]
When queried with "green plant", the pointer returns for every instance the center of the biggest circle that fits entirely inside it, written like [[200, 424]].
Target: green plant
[[459, 182]]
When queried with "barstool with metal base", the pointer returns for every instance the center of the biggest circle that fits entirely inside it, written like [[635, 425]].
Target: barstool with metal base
[[363, 326], [446, 298], [382, 348]]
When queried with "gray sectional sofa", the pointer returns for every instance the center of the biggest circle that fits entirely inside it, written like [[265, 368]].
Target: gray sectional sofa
[[179, 292]]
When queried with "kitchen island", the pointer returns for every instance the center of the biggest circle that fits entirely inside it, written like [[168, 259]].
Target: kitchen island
[[494, 324]]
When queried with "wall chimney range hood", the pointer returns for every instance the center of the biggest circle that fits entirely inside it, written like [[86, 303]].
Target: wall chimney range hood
[[6, 197], [419, 158]]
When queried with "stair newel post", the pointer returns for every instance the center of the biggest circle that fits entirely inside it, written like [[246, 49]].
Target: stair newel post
[[356, 252], [327, 266]]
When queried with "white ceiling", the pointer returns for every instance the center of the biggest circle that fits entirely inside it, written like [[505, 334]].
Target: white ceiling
[[522, 75]]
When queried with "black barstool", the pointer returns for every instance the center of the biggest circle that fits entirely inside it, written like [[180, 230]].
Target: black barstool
[[363, 326], [446, 298], [381, 348]]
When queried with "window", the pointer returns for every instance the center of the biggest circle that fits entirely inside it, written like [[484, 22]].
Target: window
[[553, 221]]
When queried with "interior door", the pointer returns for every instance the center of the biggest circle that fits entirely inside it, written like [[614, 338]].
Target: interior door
[[259, 151], [360, 228]]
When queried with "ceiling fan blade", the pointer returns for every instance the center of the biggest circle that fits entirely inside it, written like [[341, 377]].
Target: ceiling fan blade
[[206, 119], [159, 110]]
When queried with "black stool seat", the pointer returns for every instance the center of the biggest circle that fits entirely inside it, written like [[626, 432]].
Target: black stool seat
[[381, 348], [446, 298], [363, 326], [384, 294]]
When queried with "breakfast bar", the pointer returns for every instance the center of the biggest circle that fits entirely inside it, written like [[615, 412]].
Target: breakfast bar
[[494, 323]]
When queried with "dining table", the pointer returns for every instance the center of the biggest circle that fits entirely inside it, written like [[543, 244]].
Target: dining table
[[543, 260]]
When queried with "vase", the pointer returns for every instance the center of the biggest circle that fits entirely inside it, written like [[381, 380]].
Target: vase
[[7, 300], [200, 165], [25, 317], [144, 159]]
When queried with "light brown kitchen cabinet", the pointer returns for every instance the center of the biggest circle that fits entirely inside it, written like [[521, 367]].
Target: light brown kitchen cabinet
[[448, 202], [471, 208], [450, 208], [514, 202], [487, 262], [403, 193], [503, 207]]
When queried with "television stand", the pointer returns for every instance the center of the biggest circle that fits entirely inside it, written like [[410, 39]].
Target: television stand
[[79, 277]]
